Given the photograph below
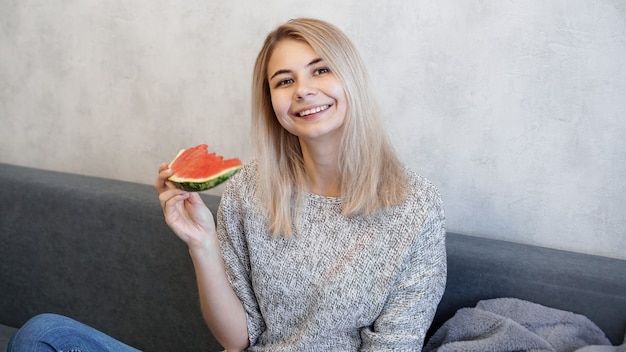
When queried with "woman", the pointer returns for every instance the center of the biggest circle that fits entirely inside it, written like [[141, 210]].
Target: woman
[[325, 242]]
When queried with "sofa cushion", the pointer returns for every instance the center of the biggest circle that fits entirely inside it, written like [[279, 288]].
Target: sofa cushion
[[5, 335]]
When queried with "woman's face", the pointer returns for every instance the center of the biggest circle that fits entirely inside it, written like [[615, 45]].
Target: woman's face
[[308, 99]]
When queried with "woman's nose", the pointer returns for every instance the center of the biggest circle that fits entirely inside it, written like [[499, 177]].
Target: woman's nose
[[304, 89]]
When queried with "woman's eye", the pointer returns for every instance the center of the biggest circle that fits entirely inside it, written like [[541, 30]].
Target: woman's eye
[[322, 70], [284, 82]]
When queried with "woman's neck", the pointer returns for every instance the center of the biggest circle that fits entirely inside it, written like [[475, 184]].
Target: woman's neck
[[321, 163]]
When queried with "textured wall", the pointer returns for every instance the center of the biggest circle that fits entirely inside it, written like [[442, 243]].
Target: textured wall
[[516, 110]]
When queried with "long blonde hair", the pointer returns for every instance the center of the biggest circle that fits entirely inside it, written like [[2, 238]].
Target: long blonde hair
[[372, 177]]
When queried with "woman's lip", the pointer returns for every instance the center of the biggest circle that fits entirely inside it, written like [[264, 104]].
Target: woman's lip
[[312, 111]]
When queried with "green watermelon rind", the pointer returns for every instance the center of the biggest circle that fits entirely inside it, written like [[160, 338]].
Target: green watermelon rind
[[206, 184]]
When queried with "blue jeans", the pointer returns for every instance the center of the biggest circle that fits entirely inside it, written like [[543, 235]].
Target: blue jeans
[[51, 332]]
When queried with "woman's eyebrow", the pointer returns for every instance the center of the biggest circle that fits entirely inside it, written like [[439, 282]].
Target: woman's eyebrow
[[313, 62]]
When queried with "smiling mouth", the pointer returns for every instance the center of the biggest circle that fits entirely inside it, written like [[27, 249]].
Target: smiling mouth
[[313, 110]]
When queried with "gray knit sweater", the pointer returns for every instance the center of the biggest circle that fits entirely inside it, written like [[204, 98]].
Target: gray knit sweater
[[342, 284]]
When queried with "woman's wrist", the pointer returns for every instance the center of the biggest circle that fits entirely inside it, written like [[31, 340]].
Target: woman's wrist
[[206, 250]]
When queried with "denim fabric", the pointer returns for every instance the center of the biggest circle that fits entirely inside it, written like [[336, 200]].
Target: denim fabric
[[51, 332]]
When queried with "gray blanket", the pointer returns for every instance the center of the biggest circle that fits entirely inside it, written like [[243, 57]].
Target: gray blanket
[[510, 324]]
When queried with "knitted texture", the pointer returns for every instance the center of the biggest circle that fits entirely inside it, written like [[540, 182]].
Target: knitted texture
[[342, 283]]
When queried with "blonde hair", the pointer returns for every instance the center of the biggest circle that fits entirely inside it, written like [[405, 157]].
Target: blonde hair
[[372, 177]]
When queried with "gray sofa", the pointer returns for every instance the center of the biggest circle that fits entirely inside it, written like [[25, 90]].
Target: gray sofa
[[99, 251]]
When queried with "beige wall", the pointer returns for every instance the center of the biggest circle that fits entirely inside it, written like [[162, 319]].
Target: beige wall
[[516, 110]]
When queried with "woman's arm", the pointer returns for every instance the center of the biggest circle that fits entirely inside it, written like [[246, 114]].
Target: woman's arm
[[190, 219], [410, 308], [221, 308]]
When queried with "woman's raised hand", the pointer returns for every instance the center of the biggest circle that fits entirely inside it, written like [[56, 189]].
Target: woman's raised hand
[[187, 215], [185, 212]]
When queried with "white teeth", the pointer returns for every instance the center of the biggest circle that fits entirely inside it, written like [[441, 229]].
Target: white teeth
[[314, 110]]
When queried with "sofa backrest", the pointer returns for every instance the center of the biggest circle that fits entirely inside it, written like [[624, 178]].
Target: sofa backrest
[[481, 268]]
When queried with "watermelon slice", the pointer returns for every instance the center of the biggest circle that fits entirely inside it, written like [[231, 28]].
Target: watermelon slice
[[195, 169]]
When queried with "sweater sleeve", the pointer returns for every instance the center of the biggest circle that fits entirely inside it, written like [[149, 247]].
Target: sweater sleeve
[[230, 230], [410, 308]]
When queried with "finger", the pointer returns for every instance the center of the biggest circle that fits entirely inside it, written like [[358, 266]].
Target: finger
[[161, 184], [171, 196], [194, 198], [163, 166]]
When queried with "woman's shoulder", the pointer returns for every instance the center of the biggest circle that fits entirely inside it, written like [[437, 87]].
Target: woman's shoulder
[[420, 186], [247, 173], [244, 185], [423, 196]]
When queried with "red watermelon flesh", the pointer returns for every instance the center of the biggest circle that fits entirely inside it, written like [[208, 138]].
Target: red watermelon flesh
[[195, 169]]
